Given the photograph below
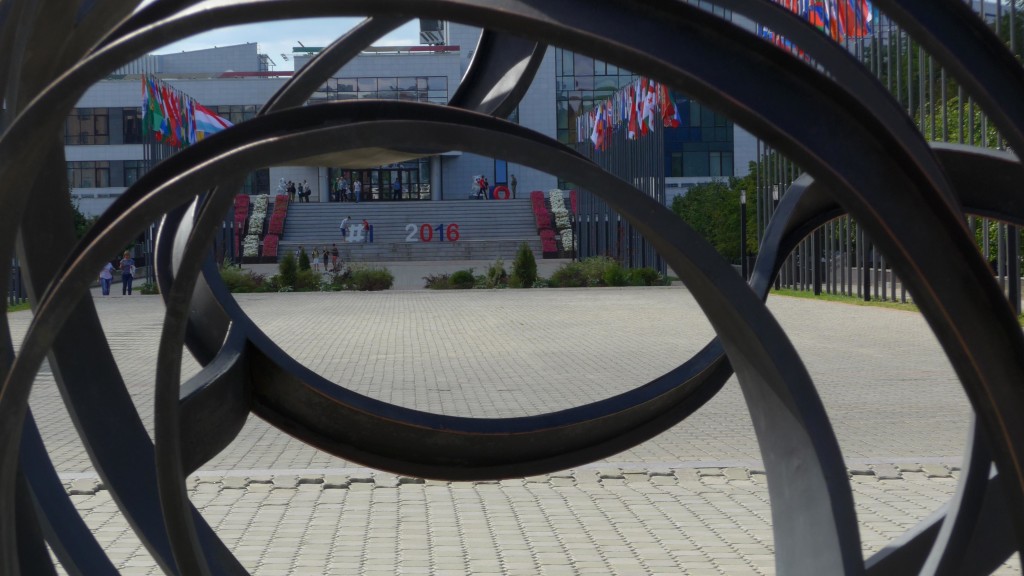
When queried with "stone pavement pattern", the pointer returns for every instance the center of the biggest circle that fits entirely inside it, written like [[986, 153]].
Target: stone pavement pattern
[[693, 497]]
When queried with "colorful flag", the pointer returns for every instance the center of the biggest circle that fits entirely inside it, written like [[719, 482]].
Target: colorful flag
[[669, 113], [631, 132], [208, 122]]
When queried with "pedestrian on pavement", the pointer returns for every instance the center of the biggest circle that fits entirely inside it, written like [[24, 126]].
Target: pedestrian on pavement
[[325, 255], [512, 183], [127, 273], [334, 257], [315, 256], [106, 275]]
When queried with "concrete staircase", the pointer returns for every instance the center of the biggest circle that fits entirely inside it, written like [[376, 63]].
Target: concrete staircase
[[408, 231]]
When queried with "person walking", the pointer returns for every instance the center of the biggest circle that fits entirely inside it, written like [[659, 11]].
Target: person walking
[[106, 276], [325, 255], [334, 257], [315, 257], [512, 183], [127, 273]]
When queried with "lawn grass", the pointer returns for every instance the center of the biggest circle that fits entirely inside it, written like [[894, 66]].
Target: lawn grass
[[854, 300], [17, 307]]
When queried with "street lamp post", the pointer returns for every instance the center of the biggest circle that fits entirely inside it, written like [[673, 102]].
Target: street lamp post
[[743, 233]]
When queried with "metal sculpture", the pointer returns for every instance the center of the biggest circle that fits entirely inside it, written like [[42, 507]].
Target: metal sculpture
[[883, 174]]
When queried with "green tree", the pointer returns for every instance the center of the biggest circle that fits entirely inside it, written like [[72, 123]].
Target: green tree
[[82, 222], [524, 268], [713, 211], [303, 259], [288, 270]]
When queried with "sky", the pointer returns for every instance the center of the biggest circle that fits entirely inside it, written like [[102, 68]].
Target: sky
[[277, 38]]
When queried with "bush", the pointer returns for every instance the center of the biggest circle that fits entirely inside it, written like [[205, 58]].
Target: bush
[[437, 281], [287, 270], [307, 281], [370, 279], [524, 268], [462, 279], [148, 288], [614, 275], [645, 277], [594, 271], [496, 276], [303, 259], [238, 280], [568, 275]]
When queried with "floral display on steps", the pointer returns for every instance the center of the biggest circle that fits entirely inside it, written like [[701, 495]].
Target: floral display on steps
[[251, 245], [562, 221]]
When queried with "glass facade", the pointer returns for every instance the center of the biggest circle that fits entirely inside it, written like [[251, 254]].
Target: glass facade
[[378, 183], [701, 147]]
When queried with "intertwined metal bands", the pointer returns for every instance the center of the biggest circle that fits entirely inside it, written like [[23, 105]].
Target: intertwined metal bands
[[861, 153]]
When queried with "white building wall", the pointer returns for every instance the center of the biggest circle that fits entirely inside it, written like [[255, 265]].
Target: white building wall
[[236, 58]]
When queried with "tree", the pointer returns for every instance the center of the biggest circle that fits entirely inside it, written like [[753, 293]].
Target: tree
[[524, 268], [82, 222], [713, 211]]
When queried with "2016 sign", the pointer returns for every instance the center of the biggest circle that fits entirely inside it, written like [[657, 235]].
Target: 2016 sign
[[425, 233]]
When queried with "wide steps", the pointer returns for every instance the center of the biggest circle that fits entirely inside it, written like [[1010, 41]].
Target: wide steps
[[416, 230]]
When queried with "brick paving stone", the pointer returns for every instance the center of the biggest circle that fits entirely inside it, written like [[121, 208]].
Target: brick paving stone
[[695, 512]]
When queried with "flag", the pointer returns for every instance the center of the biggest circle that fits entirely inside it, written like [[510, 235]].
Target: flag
[[631, 132], [597, 132], [156, 111], [669, 113], [650, 103], [854, 18], [173, 121], [191, 121], [208, 122]]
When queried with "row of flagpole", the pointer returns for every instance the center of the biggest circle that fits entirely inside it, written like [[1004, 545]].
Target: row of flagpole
[[175, 118], [639, 106]]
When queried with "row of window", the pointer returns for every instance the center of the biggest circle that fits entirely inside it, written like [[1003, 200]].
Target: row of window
[[92, 126], [117, 173], [399, 84]]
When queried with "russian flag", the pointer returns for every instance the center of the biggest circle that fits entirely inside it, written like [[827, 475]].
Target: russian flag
[[207, 122]]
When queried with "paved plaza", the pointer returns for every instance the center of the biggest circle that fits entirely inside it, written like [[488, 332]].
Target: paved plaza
[[690, 501]]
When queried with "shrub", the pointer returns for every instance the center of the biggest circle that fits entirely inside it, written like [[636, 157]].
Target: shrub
[[370, 279], [462, 279], [524, 267], [303, 259], [307, 281], [645, 277], [149, 288], [568, 275], [594, 268], [614, 275], [496, 276], [437, 281], [238, 280], [287, 270]]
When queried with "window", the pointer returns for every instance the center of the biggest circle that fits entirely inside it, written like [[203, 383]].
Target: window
[[133, 170], [86, 126], [131, 127], [89, 174]]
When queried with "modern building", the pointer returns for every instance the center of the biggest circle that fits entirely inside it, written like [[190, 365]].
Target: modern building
[[106, 153]]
